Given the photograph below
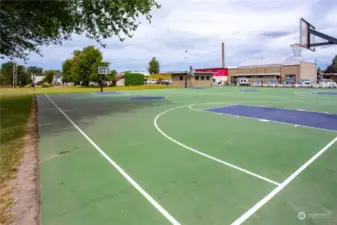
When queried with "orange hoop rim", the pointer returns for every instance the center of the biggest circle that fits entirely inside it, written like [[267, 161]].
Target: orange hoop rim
[[296, 45]]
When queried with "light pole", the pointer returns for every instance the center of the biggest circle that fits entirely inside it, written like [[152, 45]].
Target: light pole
[[186, 70]]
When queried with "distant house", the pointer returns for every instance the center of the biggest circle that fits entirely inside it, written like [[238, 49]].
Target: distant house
[[331, 76], [36, 79], [57, 78], [120, 81]]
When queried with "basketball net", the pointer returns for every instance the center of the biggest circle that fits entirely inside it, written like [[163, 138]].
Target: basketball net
[[297, 49]]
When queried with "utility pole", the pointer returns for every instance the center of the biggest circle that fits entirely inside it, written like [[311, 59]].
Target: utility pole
[[317, 75], [186, 70], [14, 74]]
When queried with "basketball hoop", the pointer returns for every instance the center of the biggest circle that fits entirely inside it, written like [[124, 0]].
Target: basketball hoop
[[297, 49]]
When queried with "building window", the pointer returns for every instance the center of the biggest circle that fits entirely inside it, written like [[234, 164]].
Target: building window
[[181, 78], [249, 76], [259, 76], [202, 77], [196, 77], [208, 77]]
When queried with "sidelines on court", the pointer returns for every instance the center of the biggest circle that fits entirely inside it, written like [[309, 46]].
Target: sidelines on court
[[203, 154], [120, 170], [272, 194]]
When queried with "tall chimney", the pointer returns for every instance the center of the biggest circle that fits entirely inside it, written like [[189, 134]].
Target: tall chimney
[[223, 54]]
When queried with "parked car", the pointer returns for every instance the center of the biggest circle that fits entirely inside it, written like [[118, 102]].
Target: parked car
[[151, 82], [305, 82], [272, 82], [289, 81], [167, 82], [327, 83], [243, 82], [257, 83]]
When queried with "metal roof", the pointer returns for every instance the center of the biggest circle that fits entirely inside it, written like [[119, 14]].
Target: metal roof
[[271, 62]]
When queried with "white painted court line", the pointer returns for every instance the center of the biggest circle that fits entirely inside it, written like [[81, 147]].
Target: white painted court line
[[255, 118], [203, 154], [120, 93], [272, 194], [120, 170]]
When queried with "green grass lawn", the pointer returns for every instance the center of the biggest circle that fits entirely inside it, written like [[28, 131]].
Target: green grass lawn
[[14, 114]]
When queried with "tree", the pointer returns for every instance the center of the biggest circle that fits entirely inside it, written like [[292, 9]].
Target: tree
[[7, 73], [154, 66], [23, 77], [334, 61], [112, 75], [66, 70], [133, 79], [37, 71], [333, 67], [26, 25], [82, 67], [49, 76]]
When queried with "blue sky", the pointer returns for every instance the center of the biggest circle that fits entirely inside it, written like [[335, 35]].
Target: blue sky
[[250, 29]]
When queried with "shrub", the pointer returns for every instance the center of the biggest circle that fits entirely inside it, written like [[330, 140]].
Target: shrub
[[46, 84], [134, 79], [39, 82]]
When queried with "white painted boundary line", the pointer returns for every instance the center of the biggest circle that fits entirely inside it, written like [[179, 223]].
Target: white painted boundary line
[[308, 93], [272, 194], [120, 170], [121, 93], [203, 154]]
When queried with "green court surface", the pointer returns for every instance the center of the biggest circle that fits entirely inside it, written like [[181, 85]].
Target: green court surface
[[106, 159]]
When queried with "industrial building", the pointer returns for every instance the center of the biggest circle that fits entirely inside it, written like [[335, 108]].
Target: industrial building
[[283, 70], [199, 79]]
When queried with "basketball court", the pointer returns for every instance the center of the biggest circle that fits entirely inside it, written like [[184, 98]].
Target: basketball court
[[115, 159]]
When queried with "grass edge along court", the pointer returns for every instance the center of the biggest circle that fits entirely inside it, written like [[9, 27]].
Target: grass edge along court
[[15, 113]]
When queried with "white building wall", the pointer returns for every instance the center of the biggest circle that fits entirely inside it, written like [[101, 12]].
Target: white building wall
[[120, 82]]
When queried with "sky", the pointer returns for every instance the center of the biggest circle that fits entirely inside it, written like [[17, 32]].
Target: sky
[[250, 29]]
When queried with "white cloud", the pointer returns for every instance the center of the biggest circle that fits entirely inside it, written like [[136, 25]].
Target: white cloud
[[251, 29]]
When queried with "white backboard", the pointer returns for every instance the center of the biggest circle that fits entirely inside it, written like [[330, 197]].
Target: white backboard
[[103, 70], [306, 39]]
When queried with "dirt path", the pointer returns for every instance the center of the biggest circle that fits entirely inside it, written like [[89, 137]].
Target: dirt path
[[26, 184]]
